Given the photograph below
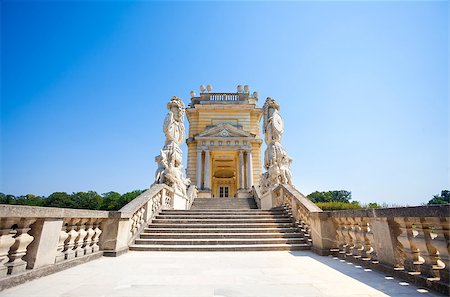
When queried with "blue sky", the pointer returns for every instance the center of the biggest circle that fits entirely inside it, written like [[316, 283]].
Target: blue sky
[[363, 88]]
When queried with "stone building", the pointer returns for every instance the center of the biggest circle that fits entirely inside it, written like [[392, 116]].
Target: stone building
[[224, 143]]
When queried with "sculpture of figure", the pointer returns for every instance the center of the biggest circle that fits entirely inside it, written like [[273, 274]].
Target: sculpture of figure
[[170, 169], [173, 126], [276, 160], [272, 122]]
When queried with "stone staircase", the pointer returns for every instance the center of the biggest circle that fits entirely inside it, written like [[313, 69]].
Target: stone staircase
[[224, 224]]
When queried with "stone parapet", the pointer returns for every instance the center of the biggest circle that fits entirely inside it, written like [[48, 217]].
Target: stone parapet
[[35, 238], [408, 242]]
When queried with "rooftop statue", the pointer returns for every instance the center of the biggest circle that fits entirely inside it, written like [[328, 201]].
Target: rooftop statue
[[276, 160], [170, 168]]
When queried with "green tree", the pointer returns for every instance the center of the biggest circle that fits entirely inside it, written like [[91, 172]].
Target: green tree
[[111, 201], [330, 196], [87, 200], [59, 199], [7, 199], [444, 198], [29, 199], [127, 197]]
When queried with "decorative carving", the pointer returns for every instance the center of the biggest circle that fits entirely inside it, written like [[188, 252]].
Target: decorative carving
[[6, 241], [19, 249], [276, 160], [60, 252], [170, 169]]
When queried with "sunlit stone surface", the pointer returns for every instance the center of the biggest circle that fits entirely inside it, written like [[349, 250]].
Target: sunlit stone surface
[[216, 274]]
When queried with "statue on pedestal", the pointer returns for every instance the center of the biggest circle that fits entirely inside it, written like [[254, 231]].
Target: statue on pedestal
[[276, 160], [170, 168]]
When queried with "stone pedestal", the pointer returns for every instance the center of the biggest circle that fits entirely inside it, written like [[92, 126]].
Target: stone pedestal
[[204, 194], [43, 250], [243, 194], [114, 240], [267, 200], [180, 202]]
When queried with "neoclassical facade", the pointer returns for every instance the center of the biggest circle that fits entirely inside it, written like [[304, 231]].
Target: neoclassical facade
[[224, 143]]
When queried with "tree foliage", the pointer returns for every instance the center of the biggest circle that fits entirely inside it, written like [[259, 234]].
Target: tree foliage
[[79, 200], [444, 198], [330, 196]]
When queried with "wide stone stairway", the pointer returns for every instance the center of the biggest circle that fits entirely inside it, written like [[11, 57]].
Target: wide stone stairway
[[224, 224]]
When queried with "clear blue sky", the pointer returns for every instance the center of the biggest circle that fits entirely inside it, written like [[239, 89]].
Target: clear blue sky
[[363, 88]]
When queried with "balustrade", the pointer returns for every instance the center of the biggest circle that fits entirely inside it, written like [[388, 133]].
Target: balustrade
[[409, 241]]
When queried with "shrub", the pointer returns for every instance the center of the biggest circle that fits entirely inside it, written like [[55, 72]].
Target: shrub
[[335, 205]]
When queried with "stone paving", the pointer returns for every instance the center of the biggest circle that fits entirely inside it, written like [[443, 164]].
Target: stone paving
[[217, 274]]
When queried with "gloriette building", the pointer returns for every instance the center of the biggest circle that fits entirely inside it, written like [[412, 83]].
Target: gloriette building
[[224, 143]]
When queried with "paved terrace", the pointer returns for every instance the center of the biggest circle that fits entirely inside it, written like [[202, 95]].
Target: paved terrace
[[229, 274]]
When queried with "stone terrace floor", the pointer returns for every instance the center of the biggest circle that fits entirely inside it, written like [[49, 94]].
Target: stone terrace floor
[[229, 274]]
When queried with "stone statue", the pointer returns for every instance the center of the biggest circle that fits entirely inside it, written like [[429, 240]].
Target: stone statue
[[170, 168], [174, 122], [276, 160]]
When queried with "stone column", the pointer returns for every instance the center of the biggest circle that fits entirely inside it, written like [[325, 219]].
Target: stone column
[[241, 170], [207, 183], [249, 170], [199, 169]]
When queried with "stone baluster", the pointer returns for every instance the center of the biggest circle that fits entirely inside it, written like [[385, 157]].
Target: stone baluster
[[398, 233], [88, 239], [367, 253], [357, 235], [60, 250], [437, 251], [96, 237], [349, 236], [134, 222], [407, 239], [79, 241], [6, 241], [442, 244], [341, 241], [71, 239], [19, 249]]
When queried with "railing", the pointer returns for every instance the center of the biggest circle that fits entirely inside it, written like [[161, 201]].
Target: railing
[[224, 97], [408, 242], [35, 237], [41, 237], [300, 207], [413, 242]]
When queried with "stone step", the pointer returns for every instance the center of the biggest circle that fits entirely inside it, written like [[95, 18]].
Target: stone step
[[222, 225], [205, 248], [224, 199], [222, 216], [220, 230], [218, 241], [221, 207], [218, 221], [149, 235], [222, 211]]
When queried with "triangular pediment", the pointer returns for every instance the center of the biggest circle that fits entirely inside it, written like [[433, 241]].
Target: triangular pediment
[[224, 130]]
